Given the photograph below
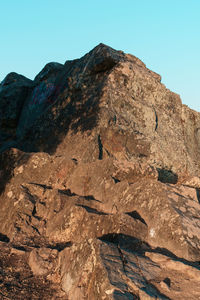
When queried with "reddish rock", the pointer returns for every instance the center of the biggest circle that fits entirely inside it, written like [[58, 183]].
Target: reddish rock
[[100, 188]]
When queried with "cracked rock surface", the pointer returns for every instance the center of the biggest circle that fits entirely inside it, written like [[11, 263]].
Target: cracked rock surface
[[99, 184]]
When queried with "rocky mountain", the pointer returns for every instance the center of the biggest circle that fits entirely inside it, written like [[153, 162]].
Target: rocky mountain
[[99, 183]]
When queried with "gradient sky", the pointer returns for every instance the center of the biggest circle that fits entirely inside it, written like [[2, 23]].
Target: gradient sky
[[164, 34]]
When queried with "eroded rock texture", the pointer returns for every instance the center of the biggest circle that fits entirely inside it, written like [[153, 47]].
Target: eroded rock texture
[[99, 183]]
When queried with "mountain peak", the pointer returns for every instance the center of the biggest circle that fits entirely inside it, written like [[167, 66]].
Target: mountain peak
[[99, 183]]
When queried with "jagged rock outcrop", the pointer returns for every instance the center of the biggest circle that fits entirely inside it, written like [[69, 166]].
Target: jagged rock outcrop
[[13, 92], [100, 187]]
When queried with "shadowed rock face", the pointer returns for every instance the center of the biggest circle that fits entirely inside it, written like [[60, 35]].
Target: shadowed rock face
[[99, 183], [13, 91]]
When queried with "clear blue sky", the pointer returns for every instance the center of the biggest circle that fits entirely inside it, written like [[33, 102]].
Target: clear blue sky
[[164, 34]]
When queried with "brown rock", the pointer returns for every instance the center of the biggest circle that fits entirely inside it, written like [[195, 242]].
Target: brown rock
[[100, 196], [42, 261]]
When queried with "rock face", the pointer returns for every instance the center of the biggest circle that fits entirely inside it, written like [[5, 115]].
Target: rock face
[[99, 183], [13, 92]]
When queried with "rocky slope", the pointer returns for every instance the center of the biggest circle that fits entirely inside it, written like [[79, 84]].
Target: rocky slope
[[99, 183]]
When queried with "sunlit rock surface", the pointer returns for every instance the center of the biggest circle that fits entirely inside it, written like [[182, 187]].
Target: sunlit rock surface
[[99, 183]]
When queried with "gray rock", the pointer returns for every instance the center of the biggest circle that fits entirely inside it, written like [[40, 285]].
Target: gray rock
[[13, 91]]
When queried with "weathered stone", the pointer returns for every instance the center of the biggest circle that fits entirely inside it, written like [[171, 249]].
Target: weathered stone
[[42, 261], [100, 186]]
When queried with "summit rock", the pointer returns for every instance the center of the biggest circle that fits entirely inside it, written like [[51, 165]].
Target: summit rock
[[99, 183]]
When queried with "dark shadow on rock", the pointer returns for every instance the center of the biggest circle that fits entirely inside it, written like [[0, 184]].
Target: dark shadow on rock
[[127, 242], [119, 295], [92, 210], [60, 246], [133, 244], [44, 186], [167, 176], [69, 193], [167, 281], [100, 148], [166, 252], [135, 215], [14, 89], [198, 194], [22, 248], [4, 238], [153, 292], [116, 180]]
